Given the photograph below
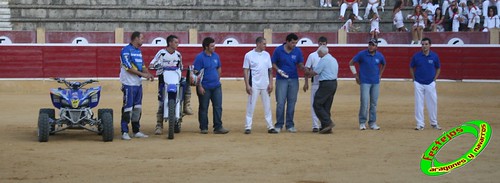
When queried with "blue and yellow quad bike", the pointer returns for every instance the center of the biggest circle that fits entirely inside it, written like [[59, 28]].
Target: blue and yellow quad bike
[[75, 103]]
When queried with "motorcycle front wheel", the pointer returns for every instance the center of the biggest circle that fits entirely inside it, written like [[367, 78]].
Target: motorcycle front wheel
[[171, 118]]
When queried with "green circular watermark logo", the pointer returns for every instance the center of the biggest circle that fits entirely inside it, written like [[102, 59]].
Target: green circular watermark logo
[[432, 167]]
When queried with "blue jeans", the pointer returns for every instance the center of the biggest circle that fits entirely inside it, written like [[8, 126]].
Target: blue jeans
[[214, 95], [286, 92], [369, 93]]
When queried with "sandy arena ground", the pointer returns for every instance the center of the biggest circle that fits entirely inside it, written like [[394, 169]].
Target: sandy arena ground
[[348, 155]]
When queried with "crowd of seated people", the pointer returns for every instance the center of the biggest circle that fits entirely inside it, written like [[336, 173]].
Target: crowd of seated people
[[427, 15]]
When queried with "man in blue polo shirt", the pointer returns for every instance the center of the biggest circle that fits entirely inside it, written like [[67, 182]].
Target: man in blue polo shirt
[[371, 66], [424, 69], [286, 58], [207, 64]]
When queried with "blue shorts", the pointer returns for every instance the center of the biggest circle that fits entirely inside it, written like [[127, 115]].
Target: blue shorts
[[132, 97]]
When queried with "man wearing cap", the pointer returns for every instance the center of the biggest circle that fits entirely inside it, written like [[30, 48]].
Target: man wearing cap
[[371, 66], [327, 71]]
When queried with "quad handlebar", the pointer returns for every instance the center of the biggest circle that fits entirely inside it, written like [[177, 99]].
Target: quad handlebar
[[74, 84]]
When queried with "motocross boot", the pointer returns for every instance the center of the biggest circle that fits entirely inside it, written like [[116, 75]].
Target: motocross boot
[[187, 105], [159, 124]]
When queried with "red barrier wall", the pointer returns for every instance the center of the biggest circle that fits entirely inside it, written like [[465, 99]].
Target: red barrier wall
[[37, 61], [20, 36], [245, 37]]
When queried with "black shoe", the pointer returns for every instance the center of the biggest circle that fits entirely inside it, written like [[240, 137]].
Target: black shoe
[[248, 131], [327, 132], [272, 131], [221, 131], [315, 130], [327, 129]]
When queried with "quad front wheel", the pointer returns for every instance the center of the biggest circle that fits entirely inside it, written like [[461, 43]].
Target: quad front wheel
[[43, 127]]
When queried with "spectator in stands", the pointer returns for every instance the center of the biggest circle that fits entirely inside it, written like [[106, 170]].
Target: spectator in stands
[[430, 9], [372, 5], [491, 21], [417, 3], [382, 4], [446, 4], [168, 57], [257, 73], [349, 24], [208, 65], [424, 69], [132, 71], [437, 23], [327, 71], [449, 15], [490, 3], [374, 26], [397, 17], [456, 18], [420, 19], [473, 16], [325, 3], [286, 59], [462, 4], [352, 4], [371, 66], [312, 62]]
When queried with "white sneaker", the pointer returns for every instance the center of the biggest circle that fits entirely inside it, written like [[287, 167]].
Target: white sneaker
[[292, 130], [329, 5], [362, 126], [125, 136], [437, 127], [140, 135], [374, 127], [419, 128], [359, 18]]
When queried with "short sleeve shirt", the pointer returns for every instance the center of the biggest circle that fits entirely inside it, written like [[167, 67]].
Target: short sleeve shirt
[[369, 70], [259, 64], [210, 65], [425, 67], [327, 68], [131, 58], [287, 61], [312, 62]]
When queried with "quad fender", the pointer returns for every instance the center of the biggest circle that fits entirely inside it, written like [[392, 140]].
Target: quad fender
[[58, 96], [94, 95]]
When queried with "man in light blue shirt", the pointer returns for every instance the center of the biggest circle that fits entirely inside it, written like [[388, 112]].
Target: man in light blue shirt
[[327, 69]]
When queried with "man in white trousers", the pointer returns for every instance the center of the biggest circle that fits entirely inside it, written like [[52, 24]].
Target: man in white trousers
[[257, 72], [311, 63], [424, 69]]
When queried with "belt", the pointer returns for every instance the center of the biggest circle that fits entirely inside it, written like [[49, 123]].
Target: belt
[[328, 80]]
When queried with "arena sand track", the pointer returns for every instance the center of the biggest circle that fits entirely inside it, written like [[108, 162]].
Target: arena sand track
[[348, 155]]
